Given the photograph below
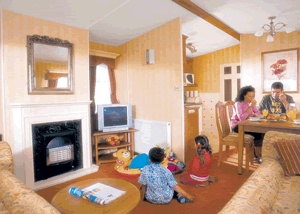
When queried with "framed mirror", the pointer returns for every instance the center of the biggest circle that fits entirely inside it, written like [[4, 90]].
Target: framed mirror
[[50, 65]]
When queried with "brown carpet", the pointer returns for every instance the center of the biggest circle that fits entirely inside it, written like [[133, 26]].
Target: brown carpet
[[208, 200]]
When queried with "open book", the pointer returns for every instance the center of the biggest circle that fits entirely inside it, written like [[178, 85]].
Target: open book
[[98, 193]]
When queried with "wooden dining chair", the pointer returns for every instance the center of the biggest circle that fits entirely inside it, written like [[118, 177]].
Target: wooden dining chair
[[228, 138], [229, 105]]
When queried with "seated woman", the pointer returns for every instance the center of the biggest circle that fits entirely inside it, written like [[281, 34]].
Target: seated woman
[[244, 108]]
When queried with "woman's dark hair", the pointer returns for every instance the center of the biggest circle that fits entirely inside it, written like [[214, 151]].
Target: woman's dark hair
[[202, 143], [156, 155], [242, 93]]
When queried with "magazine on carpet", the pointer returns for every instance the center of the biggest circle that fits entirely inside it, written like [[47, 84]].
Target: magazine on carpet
[[99, 193]]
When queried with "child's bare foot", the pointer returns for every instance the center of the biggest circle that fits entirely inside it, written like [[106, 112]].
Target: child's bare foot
[[206, 184], [213, 179]]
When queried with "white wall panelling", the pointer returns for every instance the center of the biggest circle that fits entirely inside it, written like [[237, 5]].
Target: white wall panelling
[[209, 101]]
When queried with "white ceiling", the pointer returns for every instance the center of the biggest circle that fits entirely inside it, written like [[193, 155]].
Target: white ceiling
[[116, 22], [50, 54]]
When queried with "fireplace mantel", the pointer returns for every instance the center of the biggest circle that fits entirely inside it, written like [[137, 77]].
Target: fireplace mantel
[[32, 105], [24, 115]]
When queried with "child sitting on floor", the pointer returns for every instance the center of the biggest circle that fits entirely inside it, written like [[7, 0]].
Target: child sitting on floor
[[198, 170], [158, 183]]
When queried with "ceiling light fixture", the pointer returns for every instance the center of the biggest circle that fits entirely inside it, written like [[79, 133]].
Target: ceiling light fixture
[[271, 29], [191, 47]]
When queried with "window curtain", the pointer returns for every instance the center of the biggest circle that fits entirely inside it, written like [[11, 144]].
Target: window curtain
[[52, 83], [103, 86], [94, 61]]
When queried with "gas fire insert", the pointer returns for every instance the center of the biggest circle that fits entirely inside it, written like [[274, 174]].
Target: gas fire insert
[[57, 148]]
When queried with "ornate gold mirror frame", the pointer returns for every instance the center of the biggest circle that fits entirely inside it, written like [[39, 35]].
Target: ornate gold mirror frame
[[50, 65]]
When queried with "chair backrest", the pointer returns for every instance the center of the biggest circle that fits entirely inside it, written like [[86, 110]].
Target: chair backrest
[[229, 109], [222, 119], [229, 105]]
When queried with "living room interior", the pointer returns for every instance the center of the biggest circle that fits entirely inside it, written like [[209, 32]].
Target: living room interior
[[156, 91]]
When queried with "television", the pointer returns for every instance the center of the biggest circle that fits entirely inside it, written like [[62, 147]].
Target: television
[[114, 117]]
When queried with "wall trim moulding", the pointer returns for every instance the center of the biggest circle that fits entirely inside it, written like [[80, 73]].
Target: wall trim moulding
[[32, 105], [104, 54]]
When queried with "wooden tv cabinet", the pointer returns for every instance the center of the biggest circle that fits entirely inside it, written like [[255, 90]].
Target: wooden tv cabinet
[[126, 141]]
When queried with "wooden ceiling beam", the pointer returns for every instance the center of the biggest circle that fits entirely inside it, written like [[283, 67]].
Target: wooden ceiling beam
[[192, 7]]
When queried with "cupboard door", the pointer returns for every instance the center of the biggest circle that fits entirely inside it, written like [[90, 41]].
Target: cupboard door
[[191, 123]]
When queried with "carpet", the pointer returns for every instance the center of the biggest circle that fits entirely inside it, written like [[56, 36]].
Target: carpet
[[207, 200]]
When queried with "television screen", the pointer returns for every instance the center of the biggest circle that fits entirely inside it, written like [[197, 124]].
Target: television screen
[[115, 116]]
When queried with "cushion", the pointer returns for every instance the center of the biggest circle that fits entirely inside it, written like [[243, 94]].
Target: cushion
[[6, 157], [2, 207], [288, 196], [234, 137], [289, 153], [11, 188]]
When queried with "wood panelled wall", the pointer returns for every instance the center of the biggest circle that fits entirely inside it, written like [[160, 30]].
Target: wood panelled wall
[[251, 49], [189, 66], [16, 27], [206, 68], [150, 88]]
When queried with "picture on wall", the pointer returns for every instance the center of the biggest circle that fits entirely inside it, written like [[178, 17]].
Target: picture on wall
[[280, 66]]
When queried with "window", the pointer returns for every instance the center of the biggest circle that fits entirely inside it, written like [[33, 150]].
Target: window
[[230, 84], [102, 86], [62, 82]]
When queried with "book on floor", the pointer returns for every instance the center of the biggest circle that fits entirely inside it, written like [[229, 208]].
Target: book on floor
[[99, 193]]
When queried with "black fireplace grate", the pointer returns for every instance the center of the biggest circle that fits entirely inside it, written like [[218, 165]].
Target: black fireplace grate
[[57, 148]]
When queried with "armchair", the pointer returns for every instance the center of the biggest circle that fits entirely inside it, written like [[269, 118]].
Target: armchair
[[15, 197]]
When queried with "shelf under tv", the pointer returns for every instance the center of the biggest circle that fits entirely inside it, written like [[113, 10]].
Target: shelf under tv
[[100, 143]]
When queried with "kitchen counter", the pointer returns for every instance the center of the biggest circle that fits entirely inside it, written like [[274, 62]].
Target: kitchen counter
[[190, 105]]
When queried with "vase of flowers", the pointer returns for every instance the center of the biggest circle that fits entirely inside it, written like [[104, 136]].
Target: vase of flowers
[[279, 68]]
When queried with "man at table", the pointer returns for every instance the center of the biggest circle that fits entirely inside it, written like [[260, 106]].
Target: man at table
[[277, 101]]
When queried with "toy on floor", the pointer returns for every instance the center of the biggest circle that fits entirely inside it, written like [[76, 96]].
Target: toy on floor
[[115, 140], [139, 161], [123, 161], [175, 166], [135, 166]]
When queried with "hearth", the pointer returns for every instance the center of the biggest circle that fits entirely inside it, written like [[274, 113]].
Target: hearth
[[57, 148]]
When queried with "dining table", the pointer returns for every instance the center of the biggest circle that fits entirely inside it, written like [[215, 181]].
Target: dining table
[[262, 126]]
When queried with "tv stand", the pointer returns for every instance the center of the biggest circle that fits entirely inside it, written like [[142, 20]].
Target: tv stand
[[115, 129], [126, 141]]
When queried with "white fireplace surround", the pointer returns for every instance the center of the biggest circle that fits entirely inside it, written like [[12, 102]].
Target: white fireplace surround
[[23, 116]]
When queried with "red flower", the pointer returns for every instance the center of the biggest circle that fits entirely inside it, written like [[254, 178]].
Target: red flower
[[278, 71], [282, 61], [275, 66]]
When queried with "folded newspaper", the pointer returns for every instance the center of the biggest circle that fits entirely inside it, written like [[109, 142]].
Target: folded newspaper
[[99, 193]]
